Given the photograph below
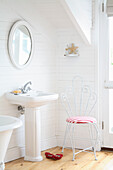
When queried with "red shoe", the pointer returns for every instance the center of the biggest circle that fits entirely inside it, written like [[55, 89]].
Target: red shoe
[[58, 156], [49, 155]]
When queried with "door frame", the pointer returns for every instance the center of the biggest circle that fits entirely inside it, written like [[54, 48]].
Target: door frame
[[103, 75]]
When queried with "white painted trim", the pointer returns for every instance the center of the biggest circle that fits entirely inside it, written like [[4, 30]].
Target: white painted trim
[[14, 153], [18, 152], [103, 67]]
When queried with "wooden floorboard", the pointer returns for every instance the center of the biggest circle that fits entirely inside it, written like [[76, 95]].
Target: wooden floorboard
[[84, 161]]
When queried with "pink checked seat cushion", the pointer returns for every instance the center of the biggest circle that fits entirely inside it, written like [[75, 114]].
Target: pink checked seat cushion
[[81, 119]]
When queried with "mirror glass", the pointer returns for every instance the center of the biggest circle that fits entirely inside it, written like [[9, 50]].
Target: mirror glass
[[20, 44]]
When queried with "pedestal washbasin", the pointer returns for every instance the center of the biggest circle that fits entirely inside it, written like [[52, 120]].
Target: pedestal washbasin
[[32, 101]]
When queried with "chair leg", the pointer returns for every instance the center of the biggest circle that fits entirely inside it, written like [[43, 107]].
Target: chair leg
[[93, 144], [2, 166], [97, 138], [73, 148], [65, 136], [94, 150], [71, 138]]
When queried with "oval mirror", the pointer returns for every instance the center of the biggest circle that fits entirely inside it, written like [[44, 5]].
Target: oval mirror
[[20, 44]]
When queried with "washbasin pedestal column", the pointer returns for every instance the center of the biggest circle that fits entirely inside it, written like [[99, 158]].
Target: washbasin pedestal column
[[32, 135]]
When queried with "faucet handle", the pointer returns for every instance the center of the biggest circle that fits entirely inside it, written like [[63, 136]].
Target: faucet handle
[[29, 88], [21, 88]]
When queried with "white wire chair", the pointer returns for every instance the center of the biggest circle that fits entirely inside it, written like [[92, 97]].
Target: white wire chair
[[79, 101]]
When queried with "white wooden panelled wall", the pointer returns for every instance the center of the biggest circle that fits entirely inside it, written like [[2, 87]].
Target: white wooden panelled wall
[[49, 69], [67, 67], [41, 72]]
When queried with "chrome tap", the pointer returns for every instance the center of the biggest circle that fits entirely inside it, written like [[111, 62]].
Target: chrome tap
[[26, 88]]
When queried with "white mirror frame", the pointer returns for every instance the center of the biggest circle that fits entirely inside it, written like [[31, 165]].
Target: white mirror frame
[[10, 39]]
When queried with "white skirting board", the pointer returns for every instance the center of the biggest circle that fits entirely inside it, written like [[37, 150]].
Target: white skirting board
[[14, 153], [78, 143], [18, 152]]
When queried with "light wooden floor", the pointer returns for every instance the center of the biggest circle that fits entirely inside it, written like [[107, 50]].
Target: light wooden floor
[[84, 161]]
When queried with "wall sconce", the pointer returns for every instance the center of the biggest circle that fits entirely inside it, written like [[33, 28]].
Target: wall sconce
[[71, 50]]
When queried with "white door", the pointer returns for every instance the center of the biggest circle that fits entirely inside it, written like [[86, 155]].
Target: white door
[[106, 47]]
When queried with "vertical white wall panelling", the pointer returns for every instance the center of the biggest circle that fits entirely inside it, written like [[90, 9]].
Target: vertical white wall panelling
[[85, 65], [41, 72]]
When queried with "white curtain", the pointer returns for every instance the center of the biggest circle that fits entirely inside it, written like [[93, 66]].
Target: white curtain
[[109, 8]]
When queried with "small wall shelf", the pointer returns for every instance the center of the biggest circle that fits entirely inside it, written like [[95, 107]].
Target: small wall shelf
[[71, 55]]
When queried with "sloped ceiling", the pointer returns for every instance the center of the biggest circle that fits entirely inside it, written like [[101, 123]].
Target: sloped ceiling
[[56, 13], [67, 14], [80, 13]]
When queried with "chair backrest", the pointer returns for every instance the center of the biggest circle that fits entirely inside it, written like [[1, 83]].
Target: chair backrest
[[78, 99]]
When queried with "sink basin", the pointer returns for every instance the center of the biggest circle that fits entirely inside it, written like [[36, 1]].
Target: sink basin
[[31, 99], [32, 102]]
